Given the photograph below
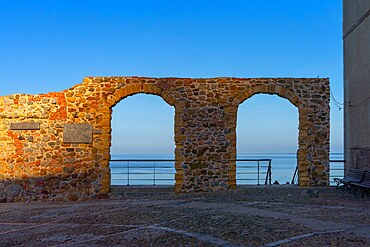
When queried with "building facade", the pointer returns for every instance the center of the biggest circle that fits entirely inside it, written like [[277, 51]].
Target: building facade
[[356, 41]]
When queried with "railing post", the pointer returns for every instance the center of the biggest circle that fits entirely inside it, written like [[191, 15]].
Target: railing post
[[128, 173], [258, 173], [267, 173], [154, 173], [270, 171], [295, 174]]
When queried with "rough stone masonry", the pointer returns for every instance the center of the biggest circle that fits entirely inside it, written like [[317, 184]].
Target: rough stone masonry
[[56, 146]]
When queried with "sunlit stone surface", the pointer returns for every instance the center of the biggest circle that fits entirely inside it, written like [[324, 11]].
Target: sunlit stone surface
[[38, 164]]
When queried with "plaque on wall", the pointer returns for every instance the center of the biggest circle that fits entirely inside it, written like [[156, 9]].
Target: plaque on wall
[[77, 133], [25, 126]]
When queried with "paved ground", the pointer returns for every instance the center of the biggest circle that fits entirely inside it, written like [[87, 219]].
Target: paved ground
[[249, 216]]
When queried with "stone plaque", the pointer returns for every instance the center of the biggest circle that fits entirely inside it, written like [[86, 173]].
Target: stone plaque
[[77, 133], [25, 126]]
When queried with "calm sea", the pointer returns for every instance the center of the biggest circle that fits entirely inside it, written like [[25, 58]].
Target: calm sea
[[142, 172]]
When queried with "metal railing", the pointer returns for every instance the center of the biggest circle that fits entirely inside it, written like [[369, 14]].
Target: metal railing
[[295, 176], [142, 172], [336, 170], [246, 173], [162, 171]]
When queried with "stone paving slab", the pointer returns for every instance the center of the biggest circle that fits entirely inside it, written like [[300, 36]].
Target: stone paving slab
[[250, 216]]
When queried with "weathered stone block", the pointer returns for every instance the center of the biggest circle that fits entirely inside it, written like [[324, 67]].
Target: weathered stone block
[[25, 126], [77, 133], [97, 131]]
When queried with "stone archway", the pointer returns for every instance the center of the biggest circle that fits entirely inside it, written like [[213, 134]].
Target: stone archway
[[56, 146], [117, 91], [297, 137], [131, 91], [309, 166]]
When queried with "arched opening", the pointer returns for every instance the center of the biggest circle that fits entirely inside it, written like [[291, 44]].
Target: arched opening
[[142, 147], [267, 128]]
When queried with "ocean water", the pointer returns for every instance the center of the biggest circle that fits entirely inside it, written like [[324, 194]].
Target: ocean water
[[144, 172]]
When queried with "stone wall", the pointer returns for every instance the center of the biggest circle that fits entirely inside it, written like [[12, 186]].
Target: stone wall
[[56, 146]]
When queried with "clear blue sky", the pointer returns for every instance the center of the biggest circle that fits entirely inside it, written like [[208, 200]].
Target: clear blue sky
[[51, 45]]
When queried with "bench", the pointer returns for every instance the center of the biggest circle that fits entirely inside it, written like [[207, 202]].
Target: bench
[[353, 176], [364, 185]]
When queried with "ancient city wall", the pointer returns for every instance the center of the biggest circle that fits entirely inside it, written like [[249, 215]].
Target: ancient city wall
[[56, 146]]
